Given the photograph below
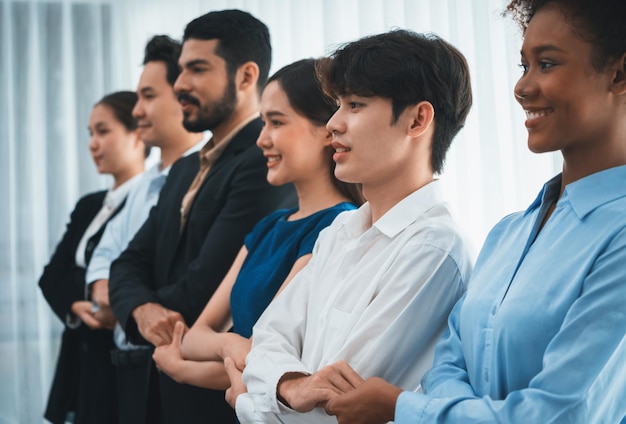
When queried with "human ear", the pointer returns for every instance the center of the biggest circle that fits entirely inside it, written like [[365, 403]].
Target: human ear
[[248, 75], [421, 117], [618, 85]]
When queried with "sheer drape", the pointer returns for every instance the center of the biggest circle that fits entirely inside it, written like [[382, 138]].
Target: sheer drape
[[58, 57]]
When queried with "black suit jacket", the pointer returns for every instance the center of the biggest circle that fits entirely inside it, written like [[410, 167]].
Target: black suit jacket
[[63, 282], [181, 269], [84, 378]]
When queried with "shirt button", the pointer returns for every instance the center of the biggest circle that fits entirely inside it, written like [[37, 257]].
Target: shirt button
[[486, 376], [493, 310]]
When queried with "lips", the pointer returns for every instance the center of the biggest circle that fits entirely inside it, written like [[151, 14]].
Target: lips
[[535, 116], [340, 148], [272, 160], [188, 100], [341, 151]]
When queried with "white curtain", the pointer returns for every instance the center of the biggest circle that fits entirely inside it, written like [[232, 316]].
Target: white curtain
[[59, 57]]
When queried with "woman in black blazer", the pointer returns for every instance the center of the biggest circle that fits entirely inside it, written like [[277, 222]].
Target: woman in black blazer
[[83, 384]]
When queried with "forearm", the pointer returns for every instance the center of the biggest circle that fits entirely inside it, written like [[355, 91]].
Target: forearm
[[207, 374], [204, 344]]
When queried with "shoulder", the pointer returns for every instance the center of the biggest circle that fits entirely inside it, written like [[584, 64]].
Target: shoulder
[[185, 163], [90, 201]]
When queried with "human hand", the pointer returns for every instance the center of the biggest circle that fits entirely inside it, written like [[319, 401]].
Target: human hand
[[236, 348], [100, 292], [372, 402], [156, 323], [168, 358], [105, 316], [83, 310], [303, 393], [236, 382]]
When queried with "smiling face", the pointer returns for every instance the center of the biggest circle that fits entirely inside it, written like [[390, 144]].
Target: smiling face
[[113, 148], [205, 90], [568, 103], [157, 110], [370, 149], [293, 146]]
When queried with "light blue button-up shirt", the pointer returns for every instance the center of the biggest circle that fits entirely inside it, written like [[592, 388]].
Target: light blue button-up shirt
[[122, 228], [540, 336]]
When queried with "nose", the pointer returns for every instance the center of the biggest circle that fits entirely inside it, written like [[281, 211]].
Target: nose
[[181, 84], [138, 111], [264, 141], [335, 124], [523, 88], [93, 143]]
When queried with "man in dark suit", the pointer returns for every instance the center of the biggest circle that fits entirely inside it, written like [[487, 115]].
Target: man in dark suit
[[208, 204]]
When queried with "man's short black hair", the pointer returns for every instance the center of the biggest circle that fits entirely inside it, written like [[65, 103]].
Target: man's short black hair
[[162, 48], [241, 38], [407, 68]]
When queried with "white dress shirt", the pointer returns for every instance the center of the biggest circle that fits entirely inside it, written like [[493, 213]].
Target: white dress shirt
[[376, 296], [112, 201]]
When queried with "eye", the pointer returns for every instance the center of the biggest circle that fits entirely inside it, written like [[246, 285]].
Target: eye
[[546, 65], [354, 105], [275, 123], [197, 69], [524, 67]]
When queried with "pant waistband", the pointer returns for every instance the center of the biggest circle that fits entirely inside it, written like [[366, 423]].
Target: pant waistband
[[129, 358]]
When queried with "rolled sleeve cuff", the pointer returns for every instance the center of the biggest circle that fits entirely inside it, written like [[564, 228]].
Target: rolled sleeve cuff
[[252, 409], [96, 273], [410, 407]]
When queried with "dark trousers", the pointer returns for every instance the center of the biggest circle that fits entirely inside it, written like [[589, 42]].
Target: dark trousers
[[137, 386], [84, 382], [182, 403]]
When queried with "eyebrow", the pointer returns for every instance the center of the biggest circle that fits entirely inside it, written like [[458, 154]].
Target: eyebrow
[[273, 113], [97, 125], [196, 62], [544, 48]]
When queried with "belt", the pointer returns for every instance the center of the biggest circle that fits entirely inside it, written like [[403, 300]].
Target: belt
[[129, 358]]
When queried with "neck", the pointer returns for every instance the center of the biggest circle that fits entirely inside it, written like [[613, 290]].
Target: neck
[[314, 196], [579, 163], [122, 177], [383, 197], [171, 152], [244, 110]]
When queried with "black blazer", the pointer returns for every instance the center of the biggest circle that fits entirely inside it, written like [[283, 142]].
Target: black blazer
[[63, 282], [181, 269], [84, 379]]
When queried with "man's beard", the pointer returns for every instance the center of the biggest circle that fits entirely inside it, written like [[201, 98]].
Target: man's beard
[[215, 113]]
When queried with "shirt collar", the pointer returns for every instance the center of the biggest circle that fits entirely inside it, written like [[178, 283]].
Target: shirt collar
[[403, 214], [586, 194], [115, 197], [207, 150], [597, 189]]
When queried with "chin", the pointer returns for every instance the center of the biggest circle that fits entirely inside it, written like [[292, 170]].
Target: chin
[[345, 177]]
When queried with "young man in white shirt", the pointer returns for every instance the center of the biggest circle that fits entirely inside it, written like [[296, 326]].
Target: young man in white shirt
[[382, 279]]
